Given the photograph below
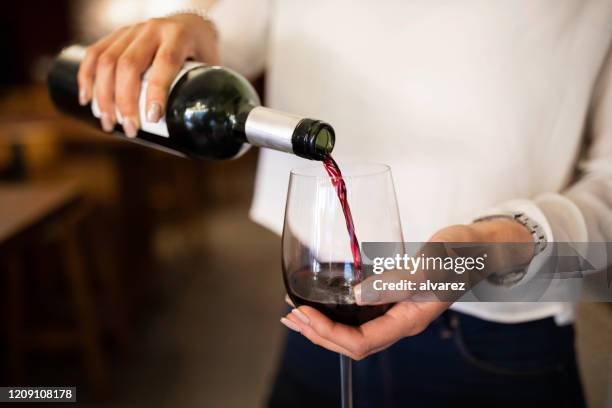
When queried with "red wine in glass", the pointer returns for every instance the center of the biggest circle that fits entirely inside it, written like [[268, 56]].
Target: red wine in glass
[[331, 293], [330, 290]]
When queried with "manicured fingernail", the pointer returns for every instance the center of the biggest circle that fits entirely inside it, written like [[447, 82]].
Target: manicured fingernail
[[83, 97], [300, 315], [288, 300], [289, 324], [107, 123], [365, 295], [357, 294], [129, 127], [154, 112]]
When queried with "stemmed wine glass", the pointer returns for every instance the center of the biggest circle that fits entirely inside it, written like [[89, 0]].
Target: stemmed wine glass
[[325, 209]]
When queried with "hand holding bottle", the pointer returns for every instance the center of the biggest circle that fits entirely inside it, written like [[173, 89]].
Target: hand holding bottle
[[115, 65], [138, 77]]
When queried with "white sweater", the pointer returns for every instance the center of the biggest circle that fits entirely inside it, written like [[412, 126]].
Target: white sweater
[[475, 104]]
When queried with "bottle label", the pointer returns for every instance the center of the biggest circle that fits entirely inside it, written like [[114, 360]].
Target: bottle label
[[160, 128]]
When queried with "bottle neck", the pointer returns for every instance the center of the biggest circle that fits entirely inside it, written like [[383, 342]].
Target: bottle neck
[[308, 138]]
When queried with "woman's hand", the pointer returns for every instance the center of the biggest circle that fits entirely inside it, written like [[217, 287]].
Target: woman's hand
[[405, 318], [115, 64], [402, 320]]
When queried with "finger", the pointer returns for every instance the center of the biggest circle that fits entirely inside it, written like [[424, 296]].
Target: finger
[[404, 283], [312, 335], [87, 68], [289, 301], [398, 322], [170, 57], [346, 337], [130, 66], [384, 288], [104, 82], [360, 343], [403, 319]]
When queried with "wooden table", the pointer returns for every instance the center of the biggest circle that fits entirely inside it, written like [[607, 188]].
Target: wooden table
[[28, 210], [27, 205]]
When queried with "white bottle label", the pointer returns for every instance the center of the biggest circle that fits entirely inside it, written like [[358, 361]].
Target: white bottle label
[[160, 128]]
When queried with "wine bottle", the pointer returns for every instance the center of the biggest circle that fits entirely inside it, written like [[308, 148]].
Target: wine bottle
[[212, 113]]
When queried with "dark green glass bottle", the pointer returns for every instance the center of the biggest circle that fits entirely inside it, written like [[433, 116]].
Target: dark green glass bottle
[[212, 113]]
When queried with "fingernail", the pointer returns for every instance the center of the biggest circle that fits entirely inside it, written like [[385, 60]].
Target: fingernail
[[371, 295], [82, 97], [300, 315], [154, 112], [367, 295], [288, 300], [129, 127], [357, 294], [107, 123], [289, 324]]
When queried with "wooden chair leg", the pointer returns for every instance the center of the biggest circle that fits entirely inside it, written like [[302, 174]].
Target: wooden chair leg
[[15, 317], [86, 317]]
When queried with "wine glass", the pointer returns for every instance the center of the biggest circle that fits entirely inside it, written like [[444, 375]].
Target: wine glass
[[325, 214]]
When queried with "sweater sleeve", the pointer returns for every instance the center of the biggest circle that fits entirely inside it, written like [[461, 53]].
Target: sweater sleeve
[[582, 213], [592, 193]]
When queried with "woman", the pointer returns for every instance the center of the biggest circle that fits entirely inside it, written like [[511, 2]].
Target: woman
[[479, 107]]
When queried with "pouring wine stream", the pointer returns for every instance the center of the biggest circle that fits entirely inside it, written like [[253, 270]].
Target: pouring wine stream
[[333, 170], [346, 364]]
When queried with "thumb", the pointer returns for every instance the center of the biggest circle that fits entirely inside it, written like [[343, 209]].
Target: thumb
[[389, 287]]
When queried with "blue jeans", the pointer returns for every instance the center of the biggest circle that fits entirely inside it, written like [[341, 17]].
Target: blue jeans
[[458, 361]]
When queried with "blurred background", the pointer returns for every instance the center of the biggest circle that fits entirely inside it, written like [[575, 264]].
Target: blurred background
[[132, 274]]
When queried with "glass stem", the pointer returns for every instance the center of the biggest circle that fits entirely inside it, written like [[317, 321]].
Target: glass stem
[[346, 381]]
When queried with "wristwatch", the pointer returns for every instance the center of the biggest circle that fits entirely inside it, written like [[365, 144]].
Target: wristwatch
[[509, 278]]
